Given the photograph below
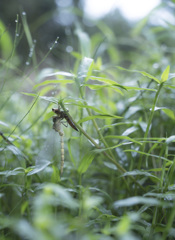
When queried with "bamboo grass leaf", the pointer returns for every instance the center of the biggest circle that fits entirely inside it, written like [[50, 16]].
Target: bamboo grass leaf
[[57, 196], [98, 87], [61, 73], [48, 115], [167, 111], [165, 74], [148, 154], [139, 89], [141, 72], [170, 139], [38, 168], [106, 80], [64, 81], [85, 162], [14, 172], [169, 86], [138, 200], [50, 72], [81, 105], [124, 138], [99, 117], [84, 41], [17, 152], [139, 172]]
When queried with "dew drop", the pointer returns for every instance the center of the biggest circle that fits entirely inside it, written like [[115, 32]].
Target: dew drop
[[27, 63], [23, 13]]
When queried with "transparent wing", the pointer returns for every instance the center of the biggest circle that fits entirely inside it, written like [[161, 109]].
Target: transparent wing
[[49, 153]]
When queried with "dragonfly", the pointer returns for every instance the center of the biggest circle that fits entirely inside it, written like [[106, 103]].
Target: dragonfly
[[63, 115], [57, 121]]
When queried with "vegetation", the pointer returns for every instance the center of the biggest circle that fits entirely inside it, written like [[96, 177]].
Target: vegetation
[[118, 178]]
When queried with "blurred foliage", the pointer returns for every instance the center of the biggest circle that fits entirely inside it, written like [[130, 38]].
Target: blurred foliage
[[117, 80]]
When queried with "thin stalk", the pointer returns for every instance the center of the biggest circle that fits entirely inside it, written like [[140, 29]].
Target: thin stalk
[[169, 223], [153, 222], [149, 124]]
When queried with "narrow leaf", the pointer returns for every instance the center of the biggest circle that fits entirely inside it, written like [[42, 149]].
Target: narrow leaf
[[124, 138], [167, 111], [98, 87], [170, 139], [139, 89], [38, 168], [53, 82], [97, 116], [137, 200], [14, 172], [149, 155], [106, 80], [85, 162], [141, 72], [137, 172], [165, 74]]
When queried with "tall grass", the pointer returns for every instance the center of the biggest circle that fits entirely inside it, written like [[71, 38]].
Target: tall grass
[[118, 179]]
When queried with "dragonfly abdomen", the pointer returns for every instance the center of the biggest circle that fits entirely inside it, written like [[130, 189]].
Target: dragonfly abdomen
[[70, 123]]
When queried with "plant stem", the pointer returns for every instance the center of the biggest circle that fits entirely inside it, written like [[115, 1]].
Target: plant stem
[[149, 124]]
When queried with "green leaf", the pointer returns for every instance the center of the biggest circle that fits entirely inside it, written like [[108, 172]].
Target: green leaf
[[165, 74], [6, 43], [76, 55], [139, 89], [98, 116], [106, 80], [157, 169], [54, 194], [161, 195], [170, 139], [128, 202], [64, 81], [141, 72], [89, 107], [38, 168], [149, 155], [167, 111], [98, 87], [17, 152], [138, 172], [124, 138], [85, 42], [14, 172], [48, 115], [110, 165], [85, 162], [50, 72], [29, 94]]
